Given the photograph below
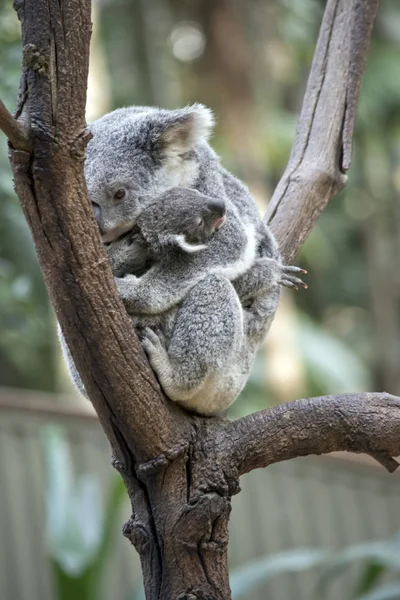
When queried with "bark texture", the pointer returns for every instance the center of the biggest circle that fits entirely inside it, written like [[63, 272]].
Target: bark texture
[[180, 470], [321, 152]]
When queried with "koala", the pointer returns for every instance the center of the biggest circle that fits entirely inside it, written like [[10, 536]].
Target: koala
[[138, 153], [176, 227], [191, 321], [142, 151]]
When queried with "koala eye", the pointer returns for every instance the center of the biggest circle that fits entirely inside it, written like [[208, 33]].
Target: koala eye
[[120, 194], [199, 222]]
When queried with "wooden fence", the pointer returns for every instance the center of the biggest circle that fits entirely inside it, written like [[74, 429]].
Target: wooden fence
[[313, 502]]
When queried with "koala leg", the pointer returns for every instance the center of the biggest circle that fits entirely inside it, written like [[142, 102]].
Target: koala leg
[[258, 316], [158, 290], [197, 370]]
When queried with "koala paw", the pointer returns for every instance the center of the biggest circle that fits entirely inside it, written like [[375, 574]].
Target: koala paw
[[288, 279], [119, 252], [153, 344]]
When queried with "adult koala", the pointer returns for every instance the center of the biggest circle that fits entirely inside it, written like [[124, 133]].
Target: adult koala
[[141, 151]]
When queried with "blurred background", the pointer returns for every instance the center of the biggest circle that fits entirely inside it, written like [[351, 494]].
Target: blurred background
[[61, 507]]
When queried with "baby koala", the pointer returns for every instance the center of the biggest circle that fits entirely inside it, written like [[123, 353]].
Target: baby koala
[[178, 229], [200, 341]]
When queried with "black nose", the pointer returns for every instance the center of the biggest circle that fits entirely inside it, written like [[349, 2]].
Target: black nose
[[216, 206], [98, 216]]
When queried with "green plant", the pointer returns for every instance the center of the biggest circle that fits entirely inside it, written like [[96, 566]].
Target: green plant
[[79, 527], [244, 580], [381, 557]]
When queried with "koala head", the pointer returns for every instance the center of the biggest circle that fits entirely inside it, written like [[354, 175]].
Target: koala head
[[181, 218], [138, 153]]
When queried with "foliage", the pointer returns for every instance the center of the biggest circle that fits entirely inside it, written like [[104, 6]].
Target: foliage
[[244, 580], [80, 529], [379, 557]]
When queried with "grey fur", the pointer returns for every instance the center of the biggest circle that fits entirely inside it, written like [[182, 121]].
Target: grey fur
[[145, 152], [166, 224], [204, 346], [73, 371], [150, 150]]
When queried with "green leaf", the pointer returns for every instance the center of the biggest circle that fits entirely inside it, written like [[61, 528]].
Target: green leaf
[[110, 526], [80, 532], [75, 513], [138, 593], [370, 577], [385, 554], [330, 362]]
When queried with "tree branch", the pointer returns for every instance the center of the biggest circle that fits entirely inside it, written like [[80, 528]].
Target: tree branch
[[140, 424], [366, 422], [315, 173], [321, 152], [15, 131], [180, 470]]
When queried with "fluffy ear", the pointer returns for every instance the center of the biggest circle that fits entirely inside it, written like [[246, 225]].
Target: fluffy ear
[[184, 128]]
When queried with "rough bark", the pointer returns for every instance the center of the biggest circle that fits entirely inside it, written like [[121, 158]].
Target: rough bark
[[180, 471], [367, 423], [321, 152]]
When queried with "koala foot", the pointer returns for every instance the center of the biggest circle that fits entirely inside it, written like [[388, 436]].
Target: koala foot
[[154, 346], [288, 279]]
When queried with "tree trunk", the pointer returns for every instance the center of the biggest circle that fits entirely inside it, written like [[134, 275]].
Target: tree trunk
[[180, 470], [180, 528]]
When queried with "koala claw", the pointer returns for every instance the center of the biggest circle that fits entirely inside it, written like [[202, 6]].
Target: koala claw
[[155, 335], [151, 343], [292, 269], [291, 281], [161, 337]]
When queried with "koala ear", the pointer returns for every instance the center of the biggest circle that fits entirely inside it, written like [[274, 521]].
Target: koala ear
[[185, 128]]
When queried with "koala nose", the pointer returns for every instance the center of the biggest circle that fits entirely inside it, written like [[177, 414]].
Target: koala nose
[[98, 216], [217, 207]]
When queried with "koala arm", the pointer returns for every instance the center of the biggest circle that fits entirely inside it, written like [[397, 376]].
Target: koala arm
[[258, 316], [266, 274], [157, 291], [129, 254], [259, 292]]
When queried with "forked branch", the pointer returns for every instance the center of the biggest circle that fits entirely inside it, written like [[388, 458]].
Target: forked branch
[[51, 187], [174, 465]]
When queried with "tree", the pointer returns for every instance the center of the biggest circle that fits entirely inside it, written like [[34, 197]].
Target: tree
[[180, 470]]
